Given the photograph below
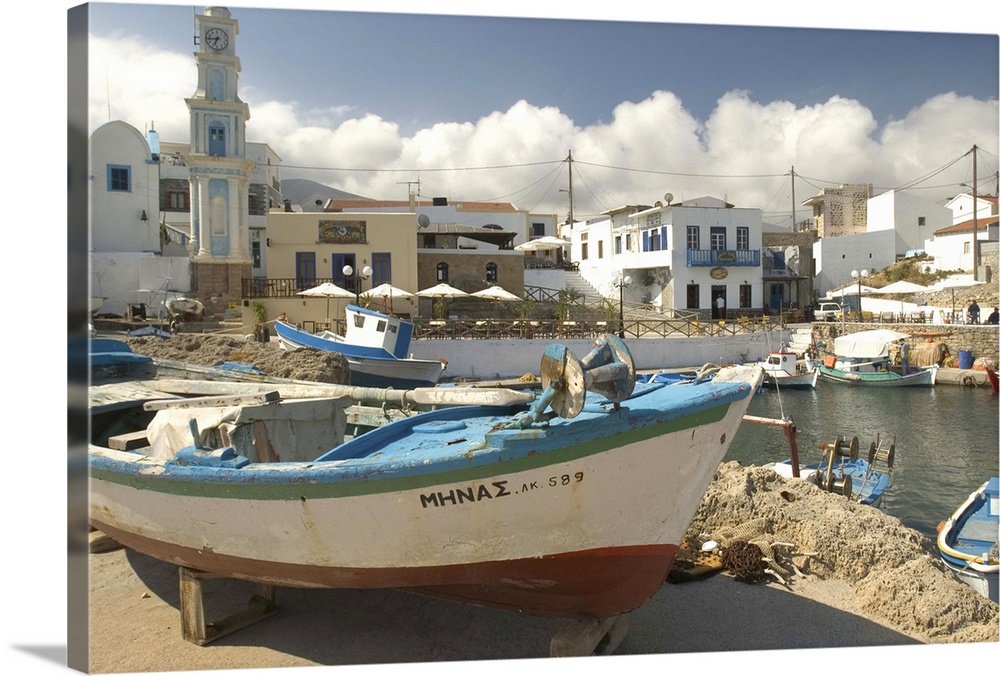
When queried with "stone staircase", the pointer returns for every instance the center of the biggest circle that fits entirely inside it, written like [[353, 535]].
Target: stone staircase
[[574, 280]]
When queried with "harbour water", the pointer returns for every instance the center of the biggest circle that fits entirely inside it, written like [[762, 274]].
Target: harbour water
[[946, 437]]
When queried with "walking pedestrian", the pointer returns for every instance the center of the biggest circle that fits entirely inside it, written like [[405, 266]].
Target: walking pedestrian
[[720, 307]]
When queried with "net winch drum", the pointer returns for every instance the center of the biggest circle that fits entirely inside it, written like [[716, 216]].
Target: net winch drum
[[607, 370]]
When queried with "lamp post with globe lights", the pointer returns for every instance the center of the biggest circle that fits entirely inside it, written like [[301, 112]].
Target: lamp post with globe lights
[[859, 276], [622, 282], [356, 278]]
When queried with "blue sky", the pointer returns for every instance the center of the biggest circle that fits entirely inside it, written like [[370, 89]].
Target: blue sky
[[488, 107], [422, 69]]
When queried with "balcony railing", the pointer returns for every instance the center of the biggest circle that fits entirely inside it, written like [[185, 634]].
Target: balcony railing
[[724, 258]]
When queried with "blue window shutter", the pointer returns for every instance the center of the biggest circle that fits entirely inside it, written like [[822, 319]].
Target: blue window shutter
[[663, 238], [645, 240]]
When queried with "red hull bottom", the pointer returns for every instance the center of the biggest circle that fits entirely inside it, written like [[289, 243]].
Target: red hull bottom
[[596, 583]]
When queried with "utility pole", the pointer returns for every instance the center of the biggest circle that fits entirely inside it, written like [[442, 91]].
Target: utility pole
[[570, 160], [975, 218], [793, 198]]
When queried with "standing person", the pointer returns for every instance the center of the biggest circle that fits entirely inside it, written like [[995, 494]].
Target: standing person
[[904, 356], [974, 312], [720, 307]]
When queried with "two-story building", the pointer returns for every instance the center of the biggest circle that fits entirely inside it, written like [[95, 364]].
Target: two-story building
[[305, 249], [700, 255]]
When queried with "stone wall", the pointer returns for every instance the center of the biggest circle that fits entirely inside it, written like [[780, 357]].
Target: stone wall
[[981, 340]]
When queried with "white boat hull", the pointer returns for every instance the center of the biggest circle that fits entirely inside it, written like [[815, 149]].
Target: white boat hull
[[588, 527]]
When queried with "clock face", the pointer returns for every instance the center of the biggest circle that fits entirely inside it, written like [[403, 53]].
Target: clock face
[[216, 38]]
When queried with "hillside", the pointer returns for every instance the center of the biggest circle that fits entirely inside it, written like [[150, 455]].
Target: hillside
[[303, 193], [912, 270]]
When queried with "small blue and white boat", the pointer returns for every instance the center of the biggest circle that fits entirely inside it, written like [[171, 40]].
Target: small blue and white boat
[[968, 540], [843, 472], [375, 346]]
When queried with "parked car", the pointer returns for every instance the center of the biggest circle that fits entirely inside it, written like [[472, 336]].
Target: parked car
[[827, 312]]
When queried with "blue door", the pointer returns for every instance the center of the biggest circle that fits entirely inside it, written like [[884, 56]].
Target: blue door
[[777, 297]]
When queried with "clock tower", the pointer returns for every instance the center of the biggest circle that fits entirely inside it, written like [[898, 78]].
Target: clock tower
[[219, 169]]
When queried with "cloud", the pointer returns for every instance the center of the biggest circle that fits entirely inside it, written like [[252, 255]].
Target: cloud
[[743, 152]]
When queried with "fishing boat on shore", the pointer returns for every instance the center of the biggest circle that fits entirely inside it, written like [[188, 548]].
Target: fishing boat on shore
[[570, 504], [375, 345], [863, 358], [968, 540]]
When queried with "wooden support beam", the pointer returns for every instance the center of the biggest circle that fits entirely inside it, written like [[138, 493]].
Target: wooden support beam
[[581, 638], [225, 400], [195, 629], [128, 441]]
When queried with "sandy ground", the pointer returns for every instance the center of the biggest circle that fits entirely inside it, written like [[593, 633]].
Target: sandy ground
[[860, 578], [211, 350]]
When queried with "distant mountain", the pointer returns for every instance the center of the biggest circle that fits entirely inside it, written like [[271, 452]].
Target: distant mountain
[[303, 193]]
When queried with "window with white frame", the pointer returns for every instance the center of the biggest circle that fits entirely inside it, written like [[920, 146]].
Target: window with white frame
[[718, 238], [743, 237], [693, 237]]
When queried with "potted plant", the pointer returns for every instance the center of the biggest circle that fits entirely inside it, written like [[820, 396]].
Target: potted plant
[[259, 311]]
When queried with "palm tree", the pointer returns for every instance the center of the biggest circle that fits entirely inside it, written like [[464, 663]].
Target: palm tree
[[567, 297]]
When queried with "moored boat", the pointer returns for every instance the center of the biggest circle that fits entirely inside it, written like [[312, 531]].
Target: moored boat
[[924, 377], [863, 358], [786, 369], [968, 540], [843, 471], [570, 506], [375, 346]]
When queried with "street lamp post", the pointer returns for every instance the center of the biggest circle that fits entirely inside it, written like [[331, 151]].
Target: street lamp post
[[621, 284], [363, 273], [859, 276]]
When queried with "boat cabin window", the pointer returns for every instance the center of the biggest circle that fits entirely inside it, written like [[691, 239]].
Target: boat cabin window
[[774, 360], [392, 328], [359, 321], [380, 327]]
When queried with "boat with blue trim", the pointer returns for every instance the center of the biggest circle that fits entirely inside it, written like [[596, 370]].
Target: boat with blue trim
[[375, 346], [968, 540], [570, 504]]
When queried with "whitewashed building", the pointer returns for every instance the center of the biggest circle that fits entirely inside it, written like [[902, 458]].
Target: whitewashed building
[[682, 256]]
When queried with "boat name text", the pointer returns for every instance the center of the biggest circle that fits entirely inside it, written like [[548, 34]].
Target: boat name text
[[495, 489]]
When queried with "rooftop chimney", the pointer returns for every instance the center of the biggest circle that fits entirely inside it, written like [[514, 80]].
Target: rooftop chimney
[[288, 205]]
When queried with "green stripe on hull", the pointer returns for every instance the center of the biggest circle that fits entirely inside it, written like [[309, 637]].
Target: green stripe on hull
[[212, 483]]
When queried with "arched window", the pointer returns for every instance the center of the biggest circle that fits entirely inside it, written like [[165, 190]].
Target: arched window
[[442, 272], [491, 272]]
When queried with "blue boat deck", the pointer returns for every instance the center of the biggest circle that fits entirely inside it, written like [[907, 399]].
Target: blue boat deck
[[977, 530]]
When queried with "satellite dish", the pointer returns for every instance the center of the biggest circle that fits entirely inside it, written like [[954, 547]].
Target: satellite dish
[[423, 221], [669, 197]]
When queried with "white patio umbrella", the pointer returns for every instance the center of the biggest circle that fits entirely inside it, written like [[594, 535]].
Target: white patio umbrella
[[954, 282], [442, 290], [851, 290], [327, 290], [902, 286], [542, 244], [388, 291], [496, 293]]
